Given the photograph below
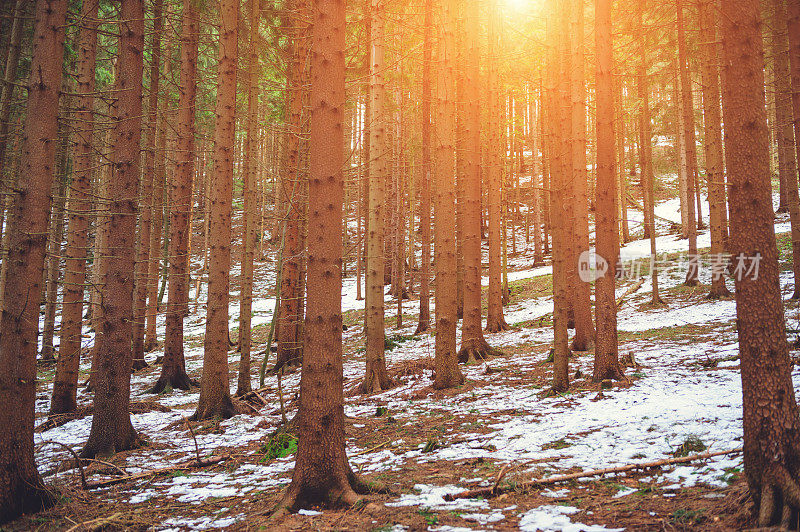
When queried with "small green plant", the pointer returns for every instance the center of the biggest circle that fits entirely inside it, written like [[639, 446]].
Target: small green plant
[[430, 517], [691, 445], [431, 445], [381, 411], [390, 342], [685, 516], [556, 444], [279, 445]]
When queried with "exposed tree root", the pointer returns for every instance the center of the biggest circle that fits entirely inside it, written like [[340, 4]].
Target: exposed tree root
[[105, 444], [139, 363], [476, 350], [421, 328], [581, 347], [175, 381], [348, 492], [31, 497], [780, 500], [720, 292], [223, 409], [497, 325], [613, 372]]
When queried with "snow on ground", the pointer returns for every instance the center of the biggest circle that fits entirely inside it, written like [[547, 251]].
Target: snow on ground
[[672, 400]]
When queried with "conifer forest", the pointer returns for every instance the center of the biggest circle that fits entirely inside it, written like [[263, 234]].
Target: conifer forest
[[399, 265]]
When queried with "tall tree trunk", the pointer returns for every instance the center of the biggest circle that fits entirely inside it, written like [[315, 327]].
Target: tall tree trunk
[[692, 184], [290, 341], [21, 488], [147, 201], [65, 382], [622, 192], [249, 233], [606, 361], [581, 296], [473, 345], [715, 171], [771, 421], [112, 430], [793, 31], [56, 239], [680, 152], [495, 322], [560, 120], [157, 229], [425, 181], [646, 150], [376, 377], [173, 368], [6, 95], [215, 398], [784, 129], [322, 473], [447, 372]]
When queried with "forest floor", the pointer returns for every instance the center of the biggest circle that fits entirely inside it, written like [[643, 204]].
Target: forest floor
[[683, 396]]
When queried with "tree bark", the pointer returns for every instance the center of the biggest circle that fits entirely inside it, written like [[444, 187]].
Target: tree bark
[[147, 201], [447, 372], [322, 473], [215, 398], [495, 322], [691, 148], [646, 151], [771, 422], [289, 334], [21, 488], [250, 200], [173, 368], [375, 377], [65, 382], [581, 296], [606, 359], [715, 172], [473, 345], [112, 430], [791, 96], [425, 182]]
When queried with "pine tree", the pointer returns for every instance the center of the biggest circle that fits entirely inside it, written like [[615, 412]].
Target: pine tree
[[173, 367], [771, 420], [215, 398], [65, 382], [606, 361], [376, 377], [322, 473], [21, 488], [112, 430], [447, 371]]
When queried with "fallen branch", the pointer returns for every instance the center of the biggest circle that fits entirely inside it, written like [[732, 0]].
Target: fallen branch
[[193, 464], [74, 455], [495, 490], [630, 291], [367, 451]]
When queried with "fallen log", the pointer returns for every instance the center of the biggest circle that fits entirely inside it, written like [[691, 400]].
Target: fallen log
[[496, 490], [630, 291], [192, 464]]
